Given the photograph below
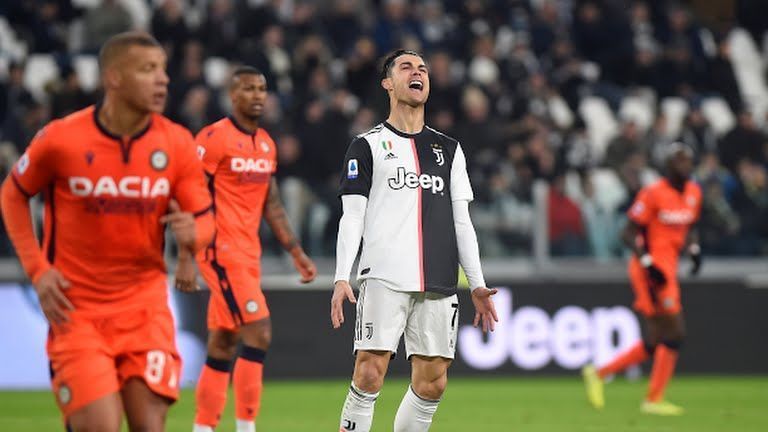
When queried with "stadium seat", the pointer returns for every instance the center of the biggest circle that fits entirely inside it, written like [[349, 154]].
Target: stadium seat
[[719, 115], [561, 115], [638, 110], [601, 124], [674, 109], [10, 45], [216, 71], [87, 68], [749, 69], [40, 70]]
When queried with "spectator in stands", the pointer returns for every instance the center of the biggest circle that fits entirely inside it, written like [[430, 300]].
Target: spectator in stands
[[67, 95], [698, 133], [220, 32], [103, 21], [744, 141], [13, 95], [566, 229], [750, 201], [627, 143], [721, 79], [169, 27]]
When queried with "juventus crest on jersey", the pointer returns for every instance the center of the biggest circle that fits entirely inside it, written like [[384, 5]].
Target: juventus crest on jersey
[[411, 180]]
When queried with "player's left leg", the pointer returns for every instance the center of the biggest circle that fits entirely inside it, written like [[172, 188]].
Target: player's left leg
[[144, 409], [249, 370], [429, 377], [430, 342]]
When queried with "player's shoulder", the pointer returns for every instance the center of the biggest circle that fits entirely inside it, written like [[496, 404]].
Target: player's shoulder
[[219, 128], [442, 138], [164, 124], [369, 135], [80, 121]]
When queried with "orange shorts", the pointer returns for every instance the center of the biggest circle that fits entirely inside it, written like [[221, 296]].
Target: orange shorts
[[236, 296], [94, 357], [649, 300]]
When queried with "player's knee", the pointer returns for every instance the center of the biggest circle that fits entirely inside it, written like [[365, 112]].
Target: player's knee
[[222, 346], [430, 389], [257, 334], [369, 376], [673, 344]]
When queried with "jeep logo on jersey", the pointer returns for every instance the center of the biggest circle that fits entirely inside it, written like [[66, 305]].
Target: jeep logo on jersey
[[411, 180], [127, 187], [252, 165]]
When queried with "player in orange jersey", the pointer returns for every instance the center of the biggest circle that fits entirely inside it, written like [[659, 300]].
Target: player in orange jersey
[[240, 159], [658, 230], [112, 176]]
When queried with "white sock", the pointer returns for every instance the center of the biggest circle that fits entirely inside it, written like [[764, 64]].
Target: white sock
[[245, 425], [357, 414], [201, 428], [415, 413]]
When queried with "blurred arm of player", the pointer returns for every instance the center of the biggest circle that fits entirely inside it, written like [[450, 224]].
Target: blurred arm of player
[[633, 239], [190, 214], [466, 241], [347, 246], [193, 232], [31, 174], [694, 250], [274, 214], [469, 257]]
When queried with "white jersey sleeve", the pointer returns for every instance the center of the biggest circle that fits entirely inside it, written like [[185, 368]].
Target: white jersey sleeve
[[461, 189]]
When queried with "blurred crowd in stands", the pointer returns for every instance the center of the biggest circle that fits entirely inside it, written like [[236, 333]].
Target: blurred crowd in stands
[[582, 96]]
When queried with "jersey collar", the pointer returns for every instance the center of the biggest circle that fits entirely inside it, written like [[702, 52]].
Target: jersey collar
[[240, 127], [403, 134], [113, 136]]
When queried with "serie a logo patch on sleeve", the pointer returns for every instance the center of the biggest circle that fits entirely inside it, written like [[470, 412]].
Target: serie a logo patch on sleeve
[[352, 169]]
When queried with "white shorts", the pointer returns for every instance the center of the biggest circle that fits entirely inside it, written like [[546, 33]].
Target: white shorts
[[430, 321]]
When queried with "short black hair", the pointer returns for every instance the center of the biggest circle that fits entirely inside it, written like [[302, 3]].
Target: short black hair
[[389, 60], [117, 44], [243, 70]]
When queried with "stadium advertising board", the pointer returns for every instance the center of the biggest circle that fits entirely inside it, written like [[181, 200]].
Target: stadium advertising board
[[545, 328]]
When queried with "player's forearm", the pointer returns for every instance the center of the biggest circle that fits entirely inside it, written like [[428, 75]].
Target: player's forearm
[[466, 240], [18, 223], [350, 234], [205, 229], [277, 219], [633, 240]]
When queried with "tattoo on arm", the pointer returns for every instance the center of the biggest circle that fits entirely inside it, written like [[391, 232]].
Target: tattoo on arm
[[274, 214]]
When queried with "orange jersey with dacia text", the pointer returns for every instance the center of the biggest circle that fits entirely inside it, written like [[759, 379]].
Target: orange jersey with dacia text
[[239, 165], [103, 197], [667, 215]]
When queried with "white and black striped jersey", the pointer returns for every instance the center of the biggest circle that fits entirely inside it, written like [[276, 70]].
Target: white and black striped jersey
[[410, 180]]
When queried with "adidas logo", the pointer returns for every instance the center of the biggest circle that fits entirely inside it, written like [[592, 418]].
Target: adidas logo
[[389, 156]]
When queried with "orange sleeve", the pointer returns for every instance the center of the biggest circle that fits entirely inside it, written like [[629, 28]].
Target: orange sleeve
[[18, 223], [643, 209], [31, 174], [208, 151], [191, 192]]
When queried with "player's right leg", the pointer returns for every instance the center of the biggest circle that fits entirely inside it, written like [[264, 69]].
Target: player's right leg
[[223, 336], [671, 336], [212, 385], [104, 414], [83, 376], [379, 324]]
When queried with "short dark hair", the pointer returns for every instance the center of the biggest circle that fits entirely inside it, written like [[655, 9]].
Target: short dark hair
[[389, 60], [243, 70], [117, 44]]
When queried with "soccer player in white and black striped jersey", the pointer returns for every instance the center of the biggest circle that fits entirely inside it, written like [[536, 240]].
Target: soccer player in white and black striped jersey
[[405, 192]]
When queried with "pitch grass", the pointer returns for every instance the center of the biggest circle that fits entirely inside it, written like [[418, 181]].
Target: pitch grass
[[491, 404]]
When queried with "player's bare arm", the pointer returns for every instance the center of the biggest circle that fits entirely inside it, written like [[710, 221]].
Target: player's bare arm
[[274, 214], [633, 239], [694, 250]]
